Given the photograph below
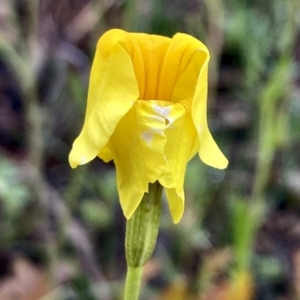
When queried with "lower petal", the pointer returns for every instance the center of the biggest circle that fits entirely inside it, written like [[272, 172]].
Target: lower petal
[[130, 198], [137, 147], [127, 153], [105, 154], [176, 204], [182, 144]]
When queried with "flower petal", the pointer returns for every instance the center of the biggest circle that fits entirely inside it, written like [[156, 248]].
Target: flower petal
[[130, 198], [190, 81], [187, 80], [177, 58], [209, 151], [151, 132], [112, 91], [125, 147], [137, 146], [176, 204], [182, 144], [105, 154], [153, 49]]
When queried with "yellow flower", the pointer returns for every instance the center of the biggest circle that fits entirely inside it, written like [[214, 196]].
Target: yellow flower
[[146, 111]]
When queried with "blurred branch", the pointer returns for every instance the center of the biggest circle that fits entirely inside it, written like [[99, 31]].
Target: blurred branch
[[86, 20], [74, 231], [130, 15], [22, 66], [18, 65], [215, 39], [272, 97], [74, 187], [78, 237], [275, 91]]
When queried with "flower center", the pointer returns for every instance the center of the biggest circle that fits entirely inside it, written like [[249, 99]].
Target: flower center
[[158, 116]]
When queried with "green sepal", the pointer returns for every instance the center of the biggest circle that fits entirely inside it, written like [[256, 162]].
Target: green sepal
[[142, 228]]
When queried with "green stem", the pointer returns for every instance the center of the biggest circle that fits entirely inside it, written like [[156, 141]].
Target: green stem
[[133, 283]]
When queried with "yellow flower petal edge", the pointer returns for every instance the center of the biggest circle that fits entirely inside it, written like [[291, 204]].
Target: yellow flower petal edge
[[112, 91], [176, 204], [209, 152], [195, 74], [147, 111]]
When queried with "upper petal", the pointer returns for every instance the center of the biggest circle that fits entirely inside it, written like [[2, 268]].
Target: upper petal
[[177, 58], [112, 91], [152, 49]]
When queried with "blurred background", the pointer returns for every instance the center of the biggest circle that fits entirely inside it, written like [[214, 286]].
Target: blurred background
[[62, 230]]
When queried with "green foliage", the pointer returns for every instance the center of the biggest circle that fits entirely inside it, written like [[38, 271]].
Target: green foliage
[[14, 198], [14, 193]]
